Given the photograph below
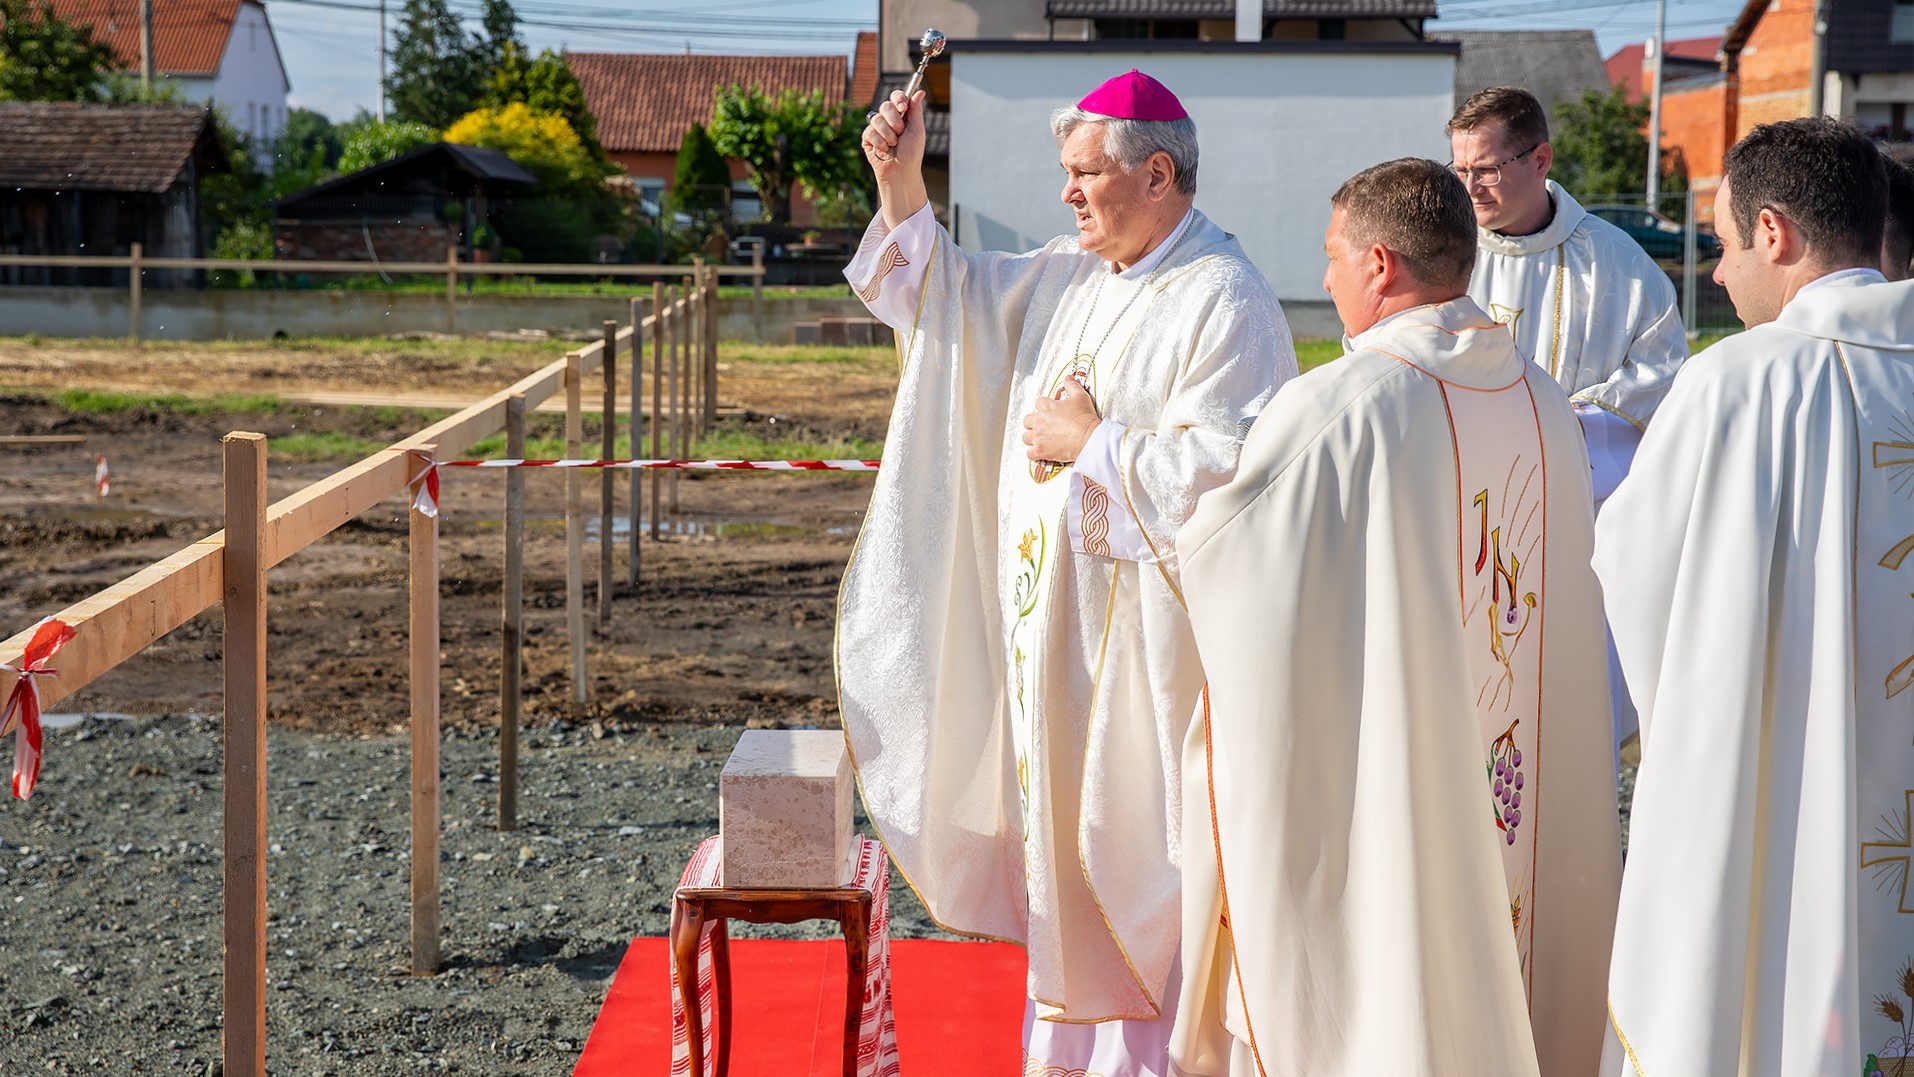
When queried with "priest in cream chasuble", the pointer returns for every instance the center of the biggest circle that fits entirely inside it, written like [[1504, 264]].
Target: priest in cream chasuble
[[1409, 803], [1581, 297], [1015, 666], [1758, 577]]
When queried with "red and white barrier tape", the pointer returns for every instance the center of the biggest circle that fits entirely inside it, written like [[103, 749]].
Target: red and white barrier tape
[[23, 703], [682, 465], [100, 478], [427, 499]]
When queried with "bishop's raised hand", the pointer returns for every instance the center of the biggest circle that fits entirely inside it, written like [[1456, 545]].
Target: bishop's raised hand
[[894, 145]]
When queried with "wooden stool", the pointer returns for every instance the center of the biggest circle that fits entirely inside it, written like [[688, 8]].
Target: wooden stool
[[694, 907]]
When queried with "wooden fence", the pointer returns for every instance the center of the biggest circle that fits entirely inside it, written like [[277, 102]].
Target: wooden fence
[[229, 568], [451, 269]]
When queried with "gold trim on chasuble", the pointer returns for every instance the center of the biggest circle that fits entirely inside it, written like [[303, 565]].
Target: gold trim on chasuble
[[1493, 557], [1082, 366]]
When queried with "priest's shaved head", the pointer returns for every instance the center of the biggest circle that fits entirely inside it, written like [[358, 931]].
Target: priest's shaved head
[[1897, 238], [1401, 234], [1798, 200]]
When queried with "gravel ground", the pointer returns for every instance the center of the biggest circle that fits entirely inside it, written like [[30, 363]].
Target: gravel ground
[[110, 877]]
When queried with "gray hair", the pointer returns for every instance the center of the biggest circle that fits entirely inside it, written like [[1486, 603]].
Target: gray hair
[[1132, 142]]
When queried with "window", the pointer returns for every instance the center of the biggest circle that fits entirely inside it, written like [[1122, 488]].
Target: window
[[1331, 29], [1901, 27], [1147, 29]]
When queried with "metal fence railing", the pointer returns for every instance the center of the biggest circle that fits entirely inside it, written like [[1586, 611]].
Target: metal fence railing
[[1685, 247]]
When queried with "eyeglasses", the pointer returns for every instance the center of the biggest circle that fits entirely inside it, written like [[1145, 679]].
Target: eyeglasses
[[1490, 175]]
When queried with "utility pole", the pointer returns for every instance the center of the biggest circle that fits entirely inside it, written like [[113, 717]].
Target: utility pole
[[1818, 69], [381, 60], [1654, 108], [146, 47]]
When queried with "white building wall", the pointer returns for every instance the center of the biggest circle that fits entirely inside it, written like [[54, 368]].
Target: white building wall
[[1279, 132], [251, 84]]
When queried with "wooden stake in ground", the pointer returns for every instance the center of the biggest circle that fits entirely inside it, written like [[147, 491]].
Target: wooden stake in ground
[[694, 348], [424, 631], [709, 415], [135, 286], [678, 320], [512, 612], [633, 500], [575, 528], [608, 445], [451, 289], [660, 315], [243, 572]]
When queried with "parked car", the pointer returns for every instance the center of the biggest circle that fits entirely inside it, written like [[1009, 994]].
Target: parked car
[[1658, 235]]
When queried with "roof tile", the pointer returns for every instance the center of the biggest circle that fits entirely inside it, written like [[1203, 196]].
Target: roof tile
[[64, 146], [645, 102], [189, 36]]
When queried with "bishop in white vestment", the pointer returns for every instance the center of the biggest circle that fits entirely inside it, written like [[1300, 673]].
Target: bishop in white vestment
[[1757, 575], [1015, 666], [1410, 803]]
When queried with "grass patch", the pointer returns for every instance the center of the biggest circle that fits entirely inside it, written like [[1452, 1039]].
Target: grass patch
[[89, 402], [781, 354], [323, 448], [1313, 353], [719, 444]]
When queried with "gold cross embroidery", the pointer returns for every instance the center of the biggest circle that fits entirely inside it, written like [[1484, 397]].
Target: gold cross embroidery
[[1889, 859], [1899, 455]]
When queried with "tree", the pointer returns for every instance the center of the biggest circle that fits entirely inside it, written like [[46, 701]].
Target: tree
[[501, 32], [306, 152], [544, 83], [789, 140], [702, 178], [1601, 150], [438, 69], [43, 58], [373, 143], [571, 207]]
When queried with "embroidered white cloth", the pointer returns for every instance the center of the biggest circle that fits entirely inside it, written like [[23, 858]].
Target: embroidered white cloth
[[1757, 573], [1016, 708], [877, 1031], [1587, 304], [1413, 855]]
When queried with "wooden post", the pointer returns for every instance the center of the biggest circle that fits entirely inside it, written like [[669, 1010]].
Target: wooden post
[[637, 442], [575, 529], [136, 285], [710, 364], [757, 292], [243, 572], [677, 398], [451, 289], [660, 317], [512, 604], [694, 328], [424, 631], [608, 446]]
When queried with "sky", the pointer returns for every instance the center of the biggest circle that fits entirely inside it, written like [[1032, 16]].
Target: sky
[[331, 46]]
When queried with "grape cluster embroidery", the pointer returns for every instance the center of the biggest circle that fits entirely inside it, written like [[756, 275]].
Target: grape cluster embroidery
[[1505, 774]]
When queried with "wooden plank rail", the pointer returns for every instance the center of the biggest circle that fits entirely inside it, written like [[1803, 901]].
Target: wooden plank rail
[[436, 269]]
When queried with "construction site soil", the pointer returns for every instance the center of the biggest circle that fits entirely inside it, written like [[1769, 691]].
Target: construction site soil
[[110, 875]]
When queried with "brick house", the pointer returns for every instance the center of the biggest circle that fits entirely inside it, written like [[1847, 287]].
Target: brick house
[[217, 52], [95, 179], [1764, 66], [644, 103]]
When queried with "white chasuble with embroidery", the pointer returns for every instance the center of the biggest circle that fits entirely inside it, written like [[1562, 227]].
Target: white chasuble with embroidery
[[1015, 667], [1409, 796], [1759, 581], [1587, 304]]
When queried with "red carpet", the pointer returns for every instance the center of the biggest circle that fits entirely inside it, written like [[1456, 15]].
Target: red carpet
[[959, 1010]]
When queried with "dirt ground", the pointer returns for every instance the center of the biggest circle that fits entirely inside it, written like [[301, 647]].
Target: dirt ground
[[732, 616], [110, 875]]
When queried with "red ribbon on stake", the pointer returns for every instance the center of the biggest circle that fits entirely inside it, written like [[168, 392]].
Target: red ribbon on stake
[[23, 703], [427, 481]]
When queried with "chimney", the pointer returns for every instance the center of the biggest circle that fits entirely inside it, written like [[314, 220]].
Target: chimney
[[1249, 20]]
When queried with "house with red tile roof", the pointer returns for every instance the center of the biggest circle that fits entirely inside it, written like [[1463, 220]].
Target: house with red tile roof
[[219, 52], [645, 102], [1632, 66]]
